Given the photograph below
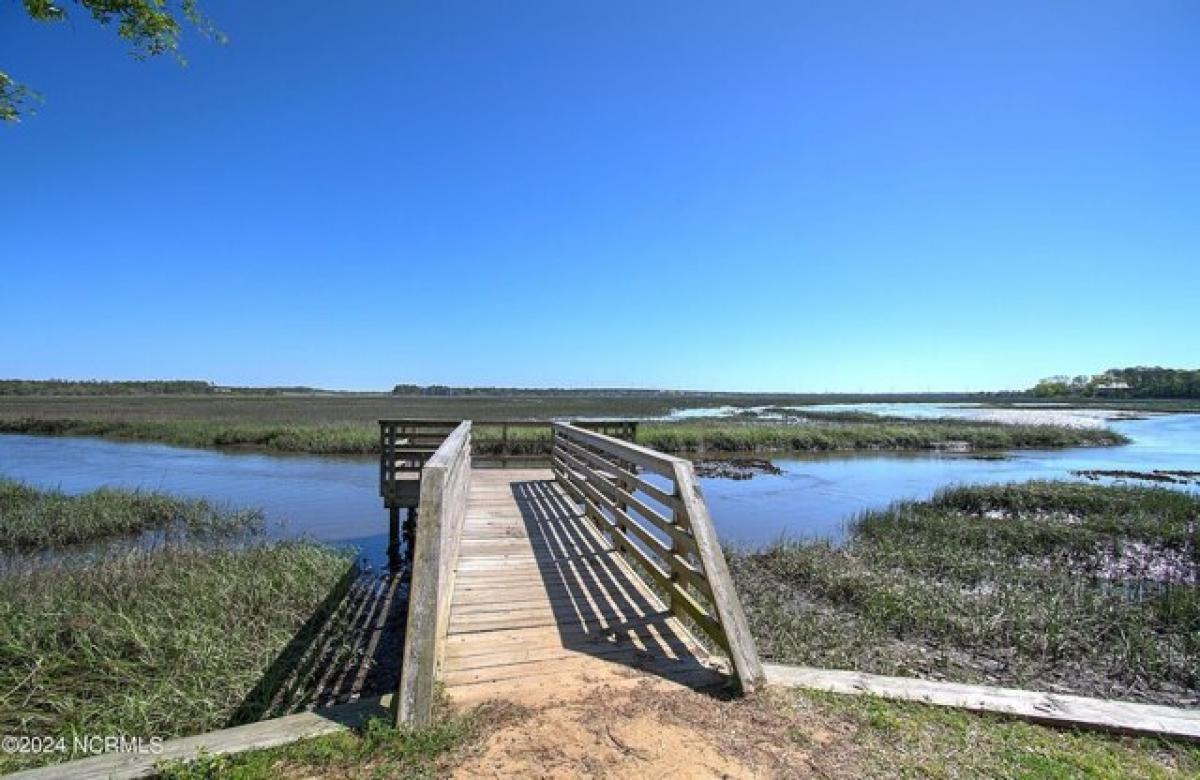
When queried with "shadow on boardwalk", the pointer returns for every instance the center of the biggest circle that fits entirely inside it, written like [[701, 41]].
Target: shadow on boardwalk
[[348, 650], [598, 606]]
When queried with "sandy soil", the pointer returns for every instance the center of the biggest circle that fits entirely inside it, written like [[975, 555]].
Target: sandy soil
[[621, 733]]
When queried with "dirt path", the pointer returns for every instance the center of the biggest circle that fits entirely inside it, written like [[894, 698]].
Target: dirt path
[[618, 732]]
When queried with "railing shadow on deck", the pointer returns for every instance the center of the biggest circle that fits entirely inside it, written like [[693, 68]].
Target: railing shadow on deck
[[596, 604], [345, 650]]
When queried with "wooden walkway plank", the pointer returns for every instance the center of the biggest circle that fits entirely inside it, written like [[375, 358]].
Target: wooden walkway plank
[[541, 601]]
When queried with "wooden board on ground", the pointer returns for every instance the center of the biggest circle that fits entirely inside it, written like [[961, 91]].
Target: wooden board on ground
[[1061, 709], [252, 736]]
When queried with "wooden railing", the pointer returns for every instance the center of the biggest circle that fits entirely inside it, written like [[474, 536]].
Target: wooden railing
[[528, 442], [650, 506], [445, 486], [405, 445]]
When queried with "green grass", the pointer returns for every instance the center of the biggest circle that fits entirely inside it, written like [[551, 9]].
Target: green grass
[[1151, 405], [158, 642], [882, 434], [358, 438], [367, 408], [1061, 586], [906, 740], [847, 736], [32, 519], [323, 438], [376, 750]]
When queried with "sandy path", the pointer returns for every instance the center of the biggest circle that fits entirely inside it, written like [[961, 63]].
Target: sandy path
[[624, 733]]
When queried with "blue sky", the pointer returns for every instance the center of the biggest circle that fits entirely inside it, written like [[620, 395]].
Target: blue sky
[[748, 196]]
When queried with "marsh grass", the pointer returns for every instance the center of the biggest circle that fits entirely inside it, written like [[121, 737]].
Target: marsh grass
[[320, 438], [163, 641], [904, 739], [176, 632], [1061, 586], [697, 437], [33, 519], [488, 440], [858, 434]]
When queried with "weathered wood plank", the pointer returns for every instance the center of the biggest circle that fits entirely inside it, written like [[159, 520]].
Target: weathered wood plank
[[547, 687], [598, 482], [584, 460], [445, 482], [739, 641], [649, 459], [575, 665], [539, 593], [253, 736], [1062, 709]]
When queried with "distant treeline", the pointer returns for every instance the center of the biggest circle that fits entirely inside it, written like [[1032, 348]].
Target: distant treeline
[[145, 387], [88, 387], [446, 390], [717, 396], [1135, 382]]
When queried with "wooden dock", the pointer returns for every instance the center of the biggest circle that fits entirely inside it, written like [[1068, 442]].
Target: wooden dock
[[600, 568], [543, 604]]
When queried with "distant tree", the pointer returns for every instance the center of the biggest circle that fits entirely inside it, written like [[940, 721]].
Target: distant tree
[[151, 26], [96, 387], [1135, 382], [1051, 388]]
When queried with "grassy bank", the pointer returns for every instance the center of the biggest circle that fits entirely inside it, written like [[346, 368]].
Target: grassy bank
[[32, 519], [318, 409], [685, 437], [786, 734], [1056, 586], [163, 642], [902, 739], [146, 639], [1145, 405], [859, 434], [325, 438], [376, 750]]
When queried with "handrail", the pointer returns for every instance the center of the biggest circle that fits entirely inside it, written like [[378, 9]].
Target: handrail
[[676, 546], [404, 447], [445, 485], [406, 443]]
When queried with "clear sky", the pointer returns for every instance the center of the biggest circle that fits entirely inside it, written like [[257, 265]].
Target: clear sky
[[786, 195]]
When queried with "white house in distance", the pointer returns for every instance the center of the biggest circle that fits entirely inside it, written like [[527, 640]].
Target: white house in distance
[[1103, 384]]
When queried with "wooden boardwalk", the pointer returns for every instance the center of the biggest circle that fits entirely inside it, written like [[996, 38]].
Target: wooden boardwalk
[[543, 605], [530, 584]]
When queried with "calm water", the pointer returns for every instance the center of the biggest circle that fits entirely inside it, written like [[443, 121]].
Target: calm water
[[336, 500], [815, 496], [331, 499]]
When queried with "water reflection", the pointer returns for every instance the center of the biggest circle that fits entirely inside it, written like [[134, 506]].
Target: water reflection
[[331, 499], [336, 499], [815, 496]]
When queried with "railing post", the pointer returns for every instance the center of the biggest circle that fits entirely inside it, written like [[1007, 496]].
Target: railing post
[[601, 472], [445, 485], [383, 460], [393, 548], [742, 651]]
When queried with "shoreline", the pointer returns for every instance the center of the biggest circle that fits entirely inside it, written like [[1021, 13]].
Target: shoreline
[[1065, 587], [707, 438]]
